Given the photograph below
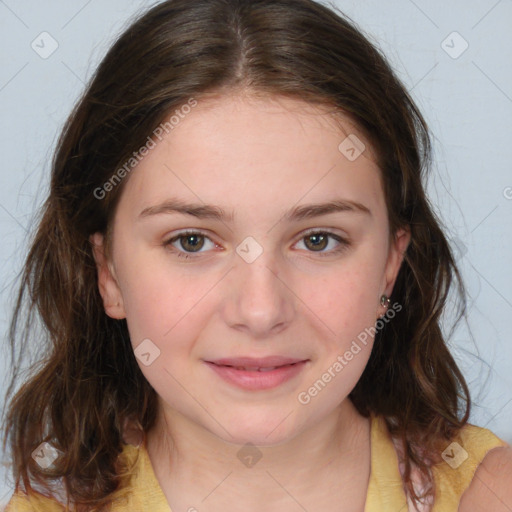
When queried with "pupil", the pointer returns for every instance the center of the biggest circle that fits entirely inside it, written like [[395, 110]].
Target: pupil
[[192, 241], [318, 240]]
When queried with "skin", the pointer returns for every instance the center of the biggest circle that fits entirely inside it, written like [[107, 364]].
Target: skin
[[256, 158], [490, 488]]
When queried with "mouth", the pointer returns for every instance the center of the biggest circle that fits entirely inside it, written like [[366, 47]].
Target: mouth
[[257, 362], [255, 368], [257, 375]]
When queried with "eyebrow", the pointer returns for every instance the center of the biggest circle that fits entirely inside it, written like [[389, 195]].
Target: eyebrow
[[206, 211]]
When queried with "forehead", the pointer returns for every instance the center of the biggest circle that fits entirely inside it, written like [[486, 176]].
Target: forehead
[[241, 121], [243, 150]]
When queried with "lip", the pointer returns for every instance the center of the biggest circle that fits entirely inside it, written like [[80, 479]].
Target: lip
[[261, 362], [251, 378]]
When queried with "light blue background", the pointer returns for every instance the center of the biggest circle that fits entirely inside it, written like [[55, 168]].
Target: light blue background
[[467, 101]]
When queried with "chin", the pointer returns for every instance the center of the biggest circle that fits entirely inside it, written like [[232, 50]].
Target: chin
[[260, 429]]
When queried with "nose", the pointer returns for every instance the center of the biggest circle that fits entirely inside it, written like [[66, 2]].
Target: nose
[[260, 301]]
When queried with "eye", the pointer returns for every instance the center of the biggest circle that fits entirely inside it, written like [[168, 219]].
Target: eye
[[188, 242], [318, 241]]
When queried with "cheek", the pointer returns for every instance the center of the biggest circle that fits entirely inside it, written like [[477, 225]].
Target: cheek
[[159, 308], [347, 299], [166, 316], [346, 312], [157, 296]]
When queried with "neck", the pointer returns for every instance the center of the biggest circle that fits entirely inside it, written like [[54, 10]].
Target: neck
[[193, 465]]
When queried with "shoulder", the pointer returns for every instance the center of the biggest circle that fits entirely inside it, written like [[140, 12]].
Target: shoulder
[[37, 500], [491, 486], [21, 502]]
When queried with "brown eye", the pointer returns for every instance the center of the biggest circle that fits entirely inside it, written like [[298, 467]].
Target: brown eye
[[192, 242], [189, 244], [319, 241]]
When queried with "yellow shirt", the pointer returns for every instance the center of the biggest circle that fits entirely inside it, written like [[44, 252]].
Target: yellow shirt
[[385, 491]]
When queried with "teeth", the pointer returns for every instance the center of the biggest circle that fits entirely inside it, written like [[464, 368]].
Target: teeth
[[255, 368]]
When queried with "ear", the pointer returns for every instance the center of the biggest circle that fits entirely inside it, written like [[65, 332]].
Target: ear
[[107, 281], [397, 248]]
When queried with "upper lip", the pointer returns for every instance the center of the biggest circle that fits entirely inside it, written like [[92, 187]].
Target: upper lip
[[260, 362]]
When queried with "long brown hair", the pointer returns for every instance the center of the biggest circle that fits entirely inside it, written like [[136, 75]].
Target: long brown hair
[[87, 384]]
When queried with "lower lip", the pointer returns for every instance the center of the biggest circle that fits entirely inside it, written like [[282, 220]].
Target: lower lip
[[255, 380]]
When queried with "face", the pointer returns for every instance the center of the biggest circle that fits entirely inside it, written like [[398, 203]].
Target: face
[[220, 251]]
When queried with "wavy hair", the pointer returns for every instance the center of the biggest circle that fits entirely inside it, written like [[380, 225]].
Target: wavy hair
[[87, 385]]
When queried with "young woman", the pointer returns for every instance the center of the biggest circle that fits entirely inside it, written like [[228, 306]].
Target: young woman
[[241, 282]]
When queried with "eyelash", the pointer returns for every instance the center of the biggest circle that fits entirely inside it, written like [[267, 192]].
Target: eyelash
[[344, 243]]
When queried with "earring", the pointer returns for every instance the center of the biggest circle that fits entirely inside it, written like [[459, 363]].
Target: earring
[[385, 301]]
